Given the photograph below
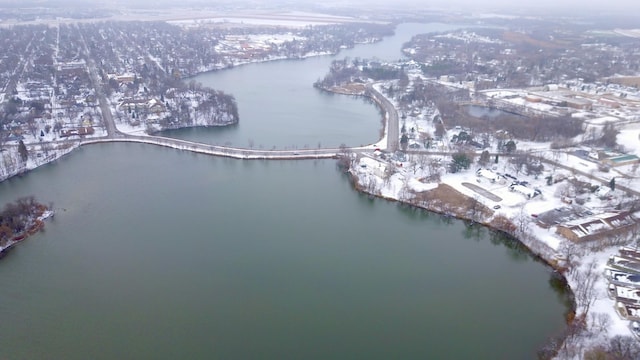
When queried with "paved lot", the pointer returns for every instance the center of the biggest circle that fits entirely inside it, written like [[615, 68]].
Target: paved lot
[[482, 191]]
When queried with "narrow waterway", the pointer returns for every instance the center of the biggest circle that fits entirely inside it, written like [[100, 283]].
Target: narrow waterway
[[278, 105]]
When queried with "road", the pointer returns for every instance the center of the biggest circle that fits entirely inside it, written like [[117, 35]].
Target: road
[[225, 151], [392, 122], [105, 109], [19, 70], [587, 175], [113, 135], [392, 127]]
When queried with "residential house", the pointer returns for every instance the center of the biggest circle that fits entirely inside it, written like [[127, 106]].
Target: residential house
[[596, 226]]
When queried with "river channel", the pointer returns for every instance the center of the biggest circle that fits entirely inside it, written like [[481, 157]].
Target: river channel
[[161, 254], [278, 105]]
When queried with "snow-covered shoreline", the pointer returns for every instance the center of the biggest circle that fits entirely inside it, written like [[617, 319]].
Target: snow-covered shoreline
[[32, 164], [407, 178]]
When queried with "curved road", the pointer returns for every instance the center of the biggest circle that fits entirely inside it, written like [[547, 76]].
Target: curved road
[[391, 116]]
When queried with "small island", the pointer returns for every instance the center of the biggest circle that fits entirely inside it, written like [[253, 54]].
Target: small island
[[19, 220]]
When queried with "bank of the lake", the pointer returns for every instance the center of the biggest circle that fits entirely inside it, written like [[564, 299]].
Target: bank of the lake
[[219, 258]]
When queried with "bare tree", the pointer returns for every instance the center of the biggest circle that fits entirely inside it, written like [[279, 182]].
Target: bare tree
[[388, 173], [570, 251], [600, 323], [623, 348], [474, 208], [584, 291], [22, 150], [522, 221], [344, 158]]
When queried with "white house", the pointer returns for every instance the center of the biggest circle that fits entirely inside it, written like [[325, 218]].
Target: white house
[[488, 174], [529, 193]]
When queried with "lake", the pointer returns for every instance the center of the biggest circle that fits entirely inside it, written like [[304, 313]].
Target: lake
[[162, 254]]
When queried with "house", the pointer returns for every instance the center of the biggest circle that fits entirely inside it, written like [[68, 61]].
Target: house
[[603, 192], [596, 226], [132, 104], [578, 103], [155, 106], [125, 78], [529, 193], [622, 160], [628, 311], [488, 174], [87, 120], [609, 102], [627, 294]]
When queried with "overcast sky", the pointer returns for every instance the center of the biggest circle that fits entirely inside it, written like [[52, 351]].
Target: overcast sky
[[628, 7]]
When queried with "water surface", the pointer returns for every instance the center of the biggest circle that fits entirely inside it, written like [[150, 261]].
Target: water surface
[[160, 254], [156, 253]]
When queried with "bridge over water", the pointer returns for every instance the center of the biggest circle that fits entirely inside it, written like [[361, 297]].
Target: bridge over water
[[114, 135], [225, 151]]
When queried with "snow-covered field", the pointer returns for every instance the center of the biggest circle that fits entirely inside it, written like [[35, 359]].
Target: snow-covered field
[[249, 21], [294, 19]]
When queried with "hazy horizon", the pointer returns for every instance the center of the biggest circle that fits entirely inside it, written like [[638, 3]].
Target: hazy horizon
[[565, 6]]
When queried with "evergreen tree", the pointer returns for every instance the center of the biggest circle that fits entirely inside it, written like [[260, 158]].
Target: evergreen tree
[[460, 161], [22, 150], [612, 183], [510, 146], [484, 158], [404, 141]]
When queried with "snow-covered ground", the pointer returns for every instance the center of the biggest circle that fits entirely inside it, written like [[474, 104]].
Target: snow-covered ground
[[291, 19], [403, 184], [386, 175], [249, 21], [11, 163]]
